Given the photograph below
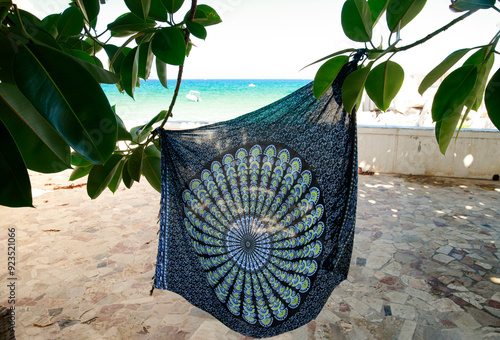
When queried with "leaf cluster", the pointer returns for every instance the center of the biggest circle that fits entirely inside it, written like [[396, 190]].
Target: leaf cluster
[[54, 114], [460, 92]]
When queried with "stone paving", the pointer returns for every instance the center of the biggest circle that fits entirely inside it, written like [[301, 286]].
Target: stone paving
[[426, 265]]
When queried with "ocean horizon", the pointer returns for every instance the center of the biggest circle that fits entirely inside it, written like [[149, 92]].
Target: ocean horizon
[[221, 99]]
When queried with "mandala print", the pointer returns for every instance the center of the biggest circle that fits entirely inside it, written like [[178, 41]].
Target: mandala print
[[256, 220]]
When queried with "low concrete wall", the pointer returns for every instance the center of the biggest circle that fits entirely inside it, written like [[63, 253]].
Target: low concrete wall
[[414, 151]]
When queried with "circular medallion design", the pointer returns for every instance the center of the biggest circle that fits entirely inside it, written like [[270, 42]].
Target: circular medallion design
[[256, 220]]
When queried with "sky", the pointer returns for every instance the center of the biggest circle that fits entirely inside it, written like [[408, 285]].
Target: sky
[[262, 39]]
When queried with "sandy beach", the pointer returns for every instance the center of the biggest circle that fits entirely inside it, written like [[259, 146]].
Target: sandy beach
[[426, 265]]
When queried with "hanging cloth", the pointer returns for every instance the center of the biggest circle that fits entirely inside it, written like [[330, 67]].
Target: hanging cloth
[[257, 213]]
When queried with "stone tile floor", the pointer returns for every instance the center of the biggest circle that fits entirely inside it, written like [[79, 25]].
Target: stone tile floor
[[426, 265]]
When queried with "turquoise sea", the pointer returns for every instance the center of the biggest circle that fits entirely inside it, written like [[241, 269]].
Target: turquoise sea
[[221, 99]]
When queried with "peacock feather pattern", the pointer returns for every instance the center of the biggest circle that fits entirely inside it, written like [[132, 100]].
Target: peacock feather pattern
[[256, 219]]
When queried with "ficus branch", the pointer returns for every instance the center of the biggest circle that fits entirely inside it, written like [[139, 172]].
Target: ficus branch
[[181, 67]]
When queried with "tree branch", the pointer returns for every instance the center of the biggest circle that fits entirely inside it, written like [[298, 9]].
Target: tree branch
[[181, 67]]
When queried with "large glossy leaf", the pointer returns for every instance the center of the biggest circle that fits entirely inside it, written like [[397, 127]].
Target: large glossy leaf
[[438, 71], [78, 110], [79, 172], [146, 57], [402, 11], [128, 71], [377, 8], [151, 169], [134, 164], [72, 43], [78, 160], [130, 23], [168, 45], [101, 175], [127, 179], [90, 9], [197, 30], [205, 15], [157, 11], [172, 6], [326, 74], [471, 5], [445, 128], [483, 60], [453, 91], [146, 129], [383, 83], [41, 147], [14, 181], [492, 99], [353, 86], [153, 150], [6, 58], [50, 24], [117, 177], [123, 133], [111, 51], [161, 70], [356, 20], [70, 23], [139, 7], [139, 134], [101, 75]]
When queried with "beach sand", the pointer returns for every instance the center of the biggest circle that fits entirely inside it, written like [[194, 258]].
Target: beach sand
[[425, 265]]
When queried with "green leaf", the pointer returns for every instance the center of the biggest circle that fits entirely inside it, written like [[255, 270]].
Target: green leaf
[[146, 58], [326, 75], [353, 86], [78, 160], [168, 45], [127, 180], [128, 71], [70, 23], [153, 150], [14, 179], [128, 24], [139, 7], [197, 30], [139, 134], [172, 6], [356, 20], [100, 176], [484, 65], [146, 129], [6, 58], [377, 8], [157, 11], [117, 178], [111, 51], [50, 24], [402, 11], [492, 99], [383, 83], [152, 171], [99, 74], [161, 70], [123, 133], [445, 128], [72, 43], [90, 9], [205, 15], [78, 110], [438, 71], [471, 5], [134, 164], [41, 147], [80, 172], [453, 91]]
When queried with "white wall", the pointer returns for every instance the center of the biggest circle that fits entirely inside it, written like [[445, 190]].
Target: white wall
[[414, 151]]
